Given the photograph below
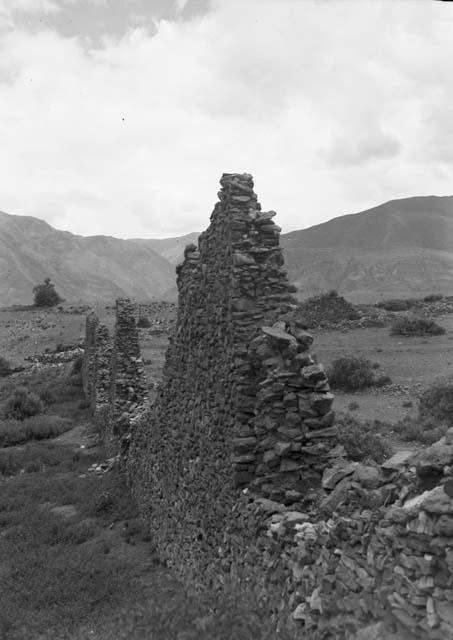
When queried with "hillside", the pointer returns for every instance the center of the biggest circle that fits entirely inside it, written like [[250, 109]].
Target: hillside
[[398, 248], [403, 247], [89, 268]]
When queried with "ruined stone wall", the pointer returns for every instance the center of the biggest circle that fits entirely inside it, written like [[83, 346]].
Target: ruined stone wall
[[242, 402], [371, 560], [237, 471], [113, 376], [127, 378], [89, 358]]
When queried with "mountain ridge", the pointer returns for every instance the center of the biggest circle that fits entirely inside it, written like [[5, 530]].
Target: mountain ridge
[[400, 247]]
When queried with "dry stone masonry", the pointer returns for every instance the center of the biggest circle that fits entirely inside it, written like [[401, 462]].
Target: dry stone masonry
[[237, 469], [242, 403], [113, 376]]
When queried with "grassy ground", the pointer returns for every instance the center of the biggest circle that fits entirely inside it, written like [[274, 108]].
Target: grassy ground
[[412, 363], [76, 563]]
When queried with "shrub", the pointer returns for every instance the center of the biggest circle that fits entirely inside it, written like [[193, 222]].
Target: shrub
[[351, 374], [22, 404], [423, 429], [416, 327], [361, 440], [13, 432], [143, 323], [45, 294], [437, 400], [433, 297], [397, 304], [5, 367], [47, 396], [77, 365], [382, 381]]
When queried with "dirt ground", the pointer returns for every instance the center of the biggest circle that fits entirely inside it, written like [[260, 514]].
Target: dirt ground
[[411, 362]]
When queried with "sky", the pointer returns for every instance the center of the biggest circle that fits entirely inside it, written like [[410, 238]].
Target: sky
[[118, 117]]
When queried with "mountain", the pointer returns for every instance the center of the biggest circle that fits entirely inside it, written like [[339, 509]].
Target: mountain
[[400, 248], [82, 268]]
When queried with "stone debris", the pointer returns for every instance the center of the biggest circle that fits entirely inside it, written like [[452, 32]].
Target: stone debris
[[106, 466]]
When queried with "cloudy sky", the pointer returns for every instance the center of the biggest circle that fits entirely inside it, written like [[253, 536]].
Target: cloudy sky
[[119, 116]]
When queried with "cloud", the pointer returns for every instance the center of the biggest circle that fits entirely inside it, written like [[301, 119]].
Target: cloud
[[363, 147], [332, 106]]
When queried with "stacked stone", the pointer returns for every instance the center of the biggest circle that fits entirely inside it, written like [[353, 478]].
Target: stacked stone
[[204, 437], [127, 379], [371, 560], [89, 358], [293, 425], [101, 409]]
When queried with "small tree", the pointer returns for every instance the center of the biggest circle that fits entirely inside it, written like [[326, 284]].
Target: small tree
[[45, 294]]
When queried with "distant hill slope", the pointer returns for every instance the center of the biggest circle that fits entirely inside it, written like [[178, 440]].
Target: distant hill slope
[[92, 268], [400, 248]]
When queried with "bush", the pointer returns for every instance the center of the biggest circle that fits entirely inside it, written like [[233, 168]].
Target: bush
[[351, 374], [423, 429], [437, 400], [397, 304], [416, 327], [22, 404], [13, 432], [382, 381], [45, 294], [47, 396], [5, 367], [433, 297], [361, 439], [143, 323], [77, 365]]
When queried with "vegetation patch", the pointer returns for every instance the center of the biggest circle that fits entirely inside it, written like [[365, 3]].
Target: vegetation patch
[[363, 440], [350, 373], [423, 429], [437, 400], [433, 297], [22, 404], [416, 327], [325, 310], [14, 432], [5, 367], [397, 304], [45, 294], [143, 323]]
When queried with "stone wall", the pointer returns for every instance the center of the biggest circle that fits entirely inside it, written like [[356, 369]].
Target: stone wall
[[242, 403], [238, 473], [113, 377], [127, 379], [227, 467], [371, 559]]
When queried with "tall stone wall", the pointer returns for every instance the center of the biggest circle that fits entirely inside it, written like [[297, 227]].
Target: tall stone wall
[[242, 402], [127, 378], [113, 376], [89, 359], [237, 471]]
